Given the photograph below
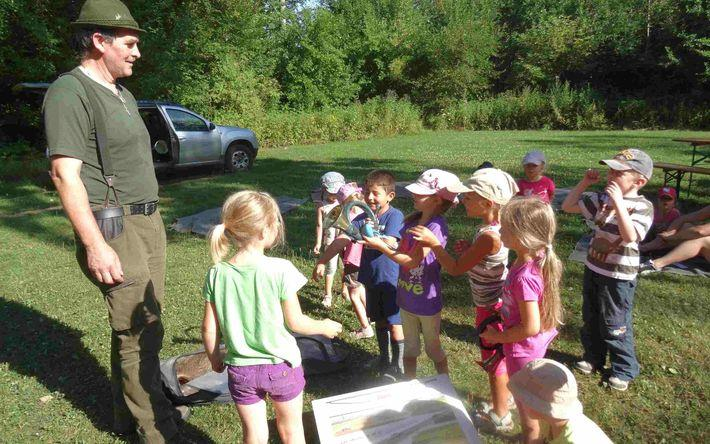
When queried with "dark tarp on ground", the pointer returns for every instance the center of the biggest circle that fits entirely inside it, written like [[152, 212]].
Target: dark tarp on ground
[[189, 379]]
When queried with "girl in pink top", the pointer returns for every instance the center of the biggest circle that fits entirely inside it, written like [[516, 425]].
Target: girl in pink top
[[531, 295], [534, 183]]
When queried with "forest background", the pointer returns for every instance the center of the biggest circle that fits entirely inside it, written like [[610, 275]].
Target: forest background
[[316, 71]]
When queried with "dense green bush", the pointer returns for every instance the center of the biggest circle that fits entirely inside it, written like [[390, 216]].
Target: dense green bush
[[560, 108], [376, 117], [640, 114]]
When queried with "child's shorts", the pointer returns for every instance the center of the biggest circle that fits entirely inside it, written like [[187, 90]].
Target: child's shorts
[[381, 304], [250, 384], [481, 314], [350, 273]]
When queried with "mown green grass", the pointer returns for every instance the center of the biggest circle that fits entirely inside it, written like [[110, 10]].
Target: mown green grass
[[54, 335]]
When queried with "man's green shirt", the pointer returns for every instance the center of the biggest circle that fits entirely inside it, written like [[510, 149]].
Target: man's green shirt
[[70, 130]]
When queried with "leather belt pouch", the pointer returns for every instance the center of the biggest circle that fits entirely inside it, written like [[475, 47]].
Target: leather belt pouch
[[110, 221]]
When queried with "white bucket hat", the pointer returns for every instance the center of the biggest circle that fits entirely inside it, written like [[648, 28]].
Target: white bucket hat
[[548, 387]]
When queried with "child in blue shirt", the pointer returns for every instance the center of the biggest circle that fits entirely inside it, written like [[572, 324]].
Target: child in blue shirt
[[378, 273]]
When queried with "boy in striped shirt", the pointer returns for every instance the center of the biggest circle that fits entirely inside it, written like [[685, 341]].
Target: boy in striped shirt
[[622, 218]]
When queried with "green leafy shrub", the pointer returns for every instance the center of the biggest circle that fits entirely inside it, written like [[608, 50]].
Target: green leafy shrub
[[639, 113], [376, 117], [560, 108]]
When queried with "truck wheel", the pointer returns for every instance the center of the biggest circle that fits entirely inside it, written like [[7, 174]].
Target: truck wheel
[[237, 158]]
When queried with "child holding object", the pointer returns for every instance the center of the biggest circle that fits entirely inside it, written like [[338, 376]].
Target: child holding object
[[251, 302], [419, 284], [353, 290], [531, 307], [548, 392], [534, 183], [621, 217], [484, 261], [378, 273], [330, 184]]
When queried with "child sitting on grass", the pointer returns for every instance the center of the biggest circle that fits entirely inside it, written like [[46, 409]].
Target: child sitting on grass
[[548, 392], [419, 285], [534, 183], [665, 212]]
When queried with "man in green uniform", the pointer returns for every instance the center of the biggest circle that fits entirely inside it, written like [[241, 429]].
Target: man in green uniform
[[127, 262]]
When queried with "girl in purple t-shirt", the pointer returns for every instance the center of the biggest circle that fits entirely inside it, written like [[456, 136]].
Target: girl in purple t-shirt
[[419, 282], [531, 307]]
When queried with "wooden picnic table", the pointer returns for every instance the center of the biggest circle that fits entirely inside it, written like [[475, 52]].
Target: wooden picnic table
[[697, 157], [695, 143]]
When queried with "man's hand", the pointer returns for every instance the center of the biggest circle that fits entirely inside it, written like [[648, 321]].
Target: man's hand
[[318, 272], [104, 264], [316, 249]]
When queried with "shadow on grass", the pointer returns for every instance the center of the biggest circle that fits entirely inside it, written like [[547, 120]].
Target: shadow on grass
[[37, 346], [40, 347]]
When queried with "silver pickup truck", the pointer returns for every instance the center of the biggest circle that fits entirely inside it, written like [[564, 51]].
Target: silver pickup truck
[[180, 137]]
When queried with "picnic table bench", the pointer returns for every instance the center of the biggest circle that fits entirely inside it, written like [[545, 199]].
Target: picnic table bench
[[675, 171]]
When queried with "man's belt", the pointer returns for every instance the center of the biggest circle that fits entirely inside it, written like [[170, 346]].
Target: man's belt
[[145, 209]]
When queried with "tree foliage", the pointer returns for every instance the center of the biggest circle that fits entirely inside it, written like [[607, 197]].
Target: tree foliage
[[243, 59]]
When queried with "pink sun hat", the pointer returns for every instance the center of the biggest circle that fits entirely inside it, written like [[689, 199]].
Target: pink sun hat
[[435, 182]]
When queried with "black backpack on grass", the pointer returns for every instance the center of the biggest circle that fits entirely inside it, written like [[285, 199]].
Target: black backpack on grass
[[189, 379]]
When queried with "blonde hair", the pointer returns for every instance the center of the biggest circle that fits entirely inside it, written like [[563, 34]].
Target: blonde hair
[[533, 223], [244, 216]]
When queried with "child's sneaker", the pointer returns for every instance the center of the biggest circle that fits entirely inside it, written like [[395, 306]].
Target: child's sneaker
[[363, 333], [617, 384], [491, 422], [584, 367], [327, 301], [648, 267], [485, 406]]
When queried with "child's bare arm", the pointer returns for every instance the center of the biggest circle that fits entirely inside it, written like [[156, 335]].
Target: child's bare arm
[[297, 322], [319, 229], [486, 243], [407, 259], [210, 337], [571, 202], [333, 249], [529, 326]]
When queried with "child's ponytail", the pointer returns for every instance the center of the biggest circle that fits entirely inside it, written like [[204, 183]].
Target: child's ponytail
[[219, 243], [533, 222], [551, 307], [245, 215]]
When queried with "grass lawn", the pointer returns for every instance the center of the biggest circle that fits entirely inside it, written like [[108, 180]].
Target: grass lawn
[[54, 335]]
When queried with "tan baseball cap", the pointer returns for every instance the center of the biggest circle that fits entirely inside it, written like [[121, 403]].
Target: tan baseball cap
[[491, 183]]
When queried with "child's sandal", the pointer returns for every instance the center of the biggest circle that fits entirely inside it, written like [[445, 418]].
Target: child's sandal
[[327, 301]]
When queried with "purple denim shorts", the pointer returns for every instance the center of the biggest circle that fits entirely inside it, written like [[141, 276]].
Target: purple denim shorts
[[249, 384]]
